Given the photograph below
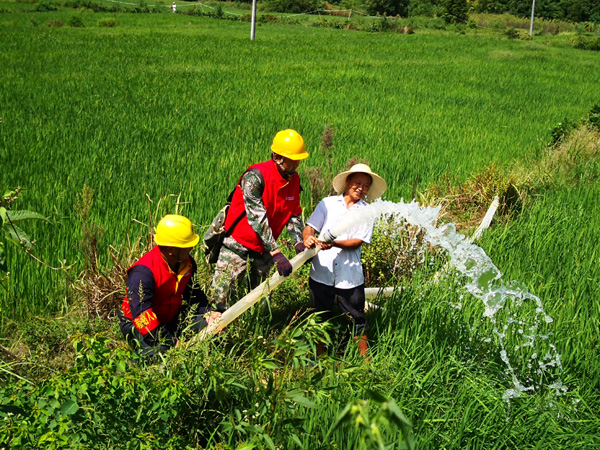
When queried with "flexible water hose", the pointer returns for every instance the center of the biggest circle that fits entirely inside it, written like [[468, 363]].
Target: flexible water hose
[[254, 296]]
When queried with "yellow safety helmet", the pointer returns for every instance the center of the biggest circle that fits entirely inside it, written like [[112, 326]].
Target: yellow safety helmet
[[175, 231], [290, 144]]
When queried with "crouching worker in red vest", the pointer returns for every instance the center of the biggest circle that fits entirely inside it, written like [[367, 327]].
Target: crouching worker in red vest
[[162, 298]]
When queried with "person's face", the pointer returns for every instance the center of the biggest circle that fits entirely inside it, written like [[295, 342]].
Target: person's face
[[357, 186], [179, 255], [287, 167]]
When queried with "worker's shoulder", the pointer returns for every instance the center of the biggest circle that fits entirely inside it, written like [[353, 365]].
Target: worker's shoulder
[[140, 274]]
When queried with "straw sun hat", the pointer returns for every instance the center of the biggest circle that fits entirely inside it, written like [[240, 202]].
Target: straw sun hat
[[378, 186]]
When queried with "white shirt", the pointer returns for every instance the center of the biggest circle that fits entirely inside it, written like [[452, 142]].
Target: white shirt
[[338, 267]]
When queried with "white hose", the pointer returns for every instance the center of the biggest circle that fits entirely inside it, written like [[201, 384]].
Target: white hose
[[254, 296]]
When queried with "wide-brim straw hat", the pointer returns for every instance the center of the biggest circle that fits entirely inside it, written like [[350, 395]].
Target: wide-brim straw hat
[[378, 186]]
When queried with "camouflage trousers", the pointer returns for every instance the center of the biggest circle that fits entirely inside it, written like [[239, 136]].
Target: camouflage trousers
[[238, 272]]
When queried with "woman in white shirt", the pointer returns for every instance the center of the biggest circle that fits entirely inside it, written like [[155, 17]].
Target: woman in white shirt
[[337, 270]]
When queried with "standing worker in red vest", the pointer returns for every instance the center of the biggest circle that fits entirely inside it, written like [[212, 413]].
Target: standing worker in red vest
[[265, 201], [162, 297]]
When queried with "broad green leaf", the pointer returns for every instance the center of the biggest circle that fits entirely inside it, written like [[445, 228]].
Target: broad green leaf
[[302, 400], [69, 407], [269, 441], [18, 236], [296, 440], [395, 410], [269, 364], [297, 396], [16, 216]]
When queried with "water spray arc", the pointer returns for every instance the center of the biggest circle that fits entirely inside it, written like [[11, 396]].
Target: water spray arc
[[481, 278]]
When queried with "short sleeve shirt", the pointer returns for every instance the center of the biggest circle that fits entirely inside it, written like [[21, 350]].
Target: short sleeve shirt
[[338, 267]]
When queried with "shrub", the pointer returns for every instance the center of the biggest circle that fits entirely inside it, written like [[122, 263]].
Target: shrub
[[44, 7], [75, 21], [594, 117], [456, 11], [107, 22], [562, 129], [292, 6], [586, 43], [387, 7], [511, 33], [395, 252]]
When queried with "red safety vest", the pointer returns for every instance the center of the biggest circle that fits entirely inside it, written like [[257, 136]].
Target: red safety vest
[[168, 291], [281, 198]]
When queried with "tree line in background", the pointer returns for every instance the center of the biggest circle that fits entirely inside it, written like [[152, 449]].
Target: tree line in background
[[451, 10]]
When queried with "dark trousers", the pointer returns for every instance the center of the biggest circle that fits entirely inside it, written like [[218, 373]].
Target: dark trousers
[[350, 301]]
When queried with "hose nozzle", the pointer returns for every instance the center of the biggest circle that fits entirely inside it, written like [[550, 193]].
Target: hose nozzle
[[327, 237]]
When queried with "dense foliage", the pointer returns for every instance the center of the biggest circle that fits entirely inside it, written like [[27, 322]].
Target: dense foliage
[[569, 10]]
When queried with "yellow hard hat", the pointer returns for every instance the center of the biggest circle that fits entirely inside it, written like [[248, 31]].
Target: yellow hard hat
[[290, 144], [175, 231]]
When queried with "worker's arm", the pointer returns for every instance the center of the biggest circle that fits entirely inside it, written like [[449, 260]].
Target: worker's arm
[[252, 190], [195, 297], [193, 293], [140, 292], [348, 244], [314, 225], [294, 227]]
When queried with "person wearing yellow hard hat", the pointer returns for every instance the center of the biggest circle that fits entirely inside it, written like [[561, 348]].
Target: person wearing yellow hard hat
[[265, 201], [161, 295], [336, 271]]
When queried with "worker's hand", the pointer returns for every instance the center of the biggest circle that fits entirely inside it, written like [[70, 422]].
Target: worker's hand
[[211, 317], [311, 241], [284, 267], [325, 245], [300, 247]]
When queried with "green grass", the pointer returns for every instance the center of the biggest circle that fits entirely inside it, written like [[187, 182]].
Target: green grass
[[166, 104]]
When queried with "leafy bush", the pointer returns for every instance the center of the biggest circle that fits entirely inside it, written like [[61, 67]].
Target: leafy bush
[[255, 390], [293, 6], [594, 117], [561, 130], [395, 254], [511, 33], [428, 8], [44, 7], [107, 22], [587, 43], [456, 11], [75, 21], [387, 7]]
